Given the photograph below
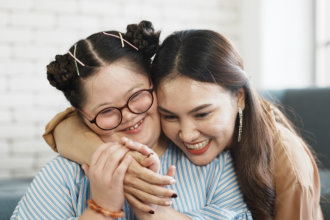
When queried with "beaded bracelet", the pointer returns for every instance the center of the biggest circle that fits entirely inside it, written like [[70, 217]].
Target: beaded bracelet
[[104, 212]]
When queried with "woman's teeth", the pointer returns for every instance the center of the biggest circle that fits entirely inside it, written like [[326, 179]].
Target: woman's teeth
[[197, 146], [135, 126]]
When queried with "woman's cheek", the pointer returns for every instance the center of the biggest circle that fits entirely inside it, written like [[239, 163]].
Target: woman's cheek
[[167, 128]]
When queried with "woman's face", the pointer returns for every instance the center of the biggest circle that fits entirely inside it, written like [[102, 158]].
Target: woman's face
[[198, 117], [112, 86]]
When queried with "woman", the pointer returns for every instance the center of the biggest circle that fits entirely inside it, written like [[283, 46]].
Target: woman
[[105, 77], [207, 105], [276, 171]]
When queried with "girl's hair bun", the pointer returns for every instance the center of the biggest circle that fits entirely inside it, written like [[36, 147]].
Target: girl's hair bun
[[144, 37], [62, 72]]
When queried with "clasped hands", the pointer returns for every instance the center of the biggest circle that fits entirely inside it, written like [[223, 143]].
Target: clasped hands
[[128, 170]]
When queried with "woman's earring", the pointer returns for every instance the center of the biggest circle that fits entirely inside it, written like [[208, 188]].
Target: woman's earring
[[240, 114]]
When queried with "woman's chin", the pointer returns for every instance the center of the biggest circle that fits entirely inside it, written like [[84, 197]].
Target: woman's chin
[[200, 161]]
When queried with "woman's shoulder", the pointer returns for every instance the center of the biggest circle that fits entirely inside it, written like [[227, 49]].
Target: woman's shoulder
[[293, 160]]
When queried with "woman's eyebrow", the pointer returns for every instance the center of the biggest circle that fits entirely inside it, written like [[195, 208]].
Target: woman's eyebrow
[[164, 110], [199, 108], [196, 109]]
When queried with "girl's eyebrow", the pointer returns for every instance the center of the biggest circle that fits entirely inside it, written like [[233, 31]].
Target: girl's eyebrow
[[126, 94], [196, 109]]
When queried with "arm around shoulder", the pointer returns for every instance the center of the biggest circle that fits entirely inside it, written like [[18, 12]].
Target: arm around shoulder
[[69, 136], [75, 140], [51, 125]]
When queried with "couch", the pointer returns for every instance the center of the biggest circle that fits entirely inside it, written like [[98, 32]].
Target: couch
[[308, 108]]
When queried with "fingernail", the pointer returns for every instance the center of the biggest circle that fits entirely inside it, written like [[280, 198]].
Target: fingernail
[[152, 212], [174, 195], [172, 180], [168, 203]]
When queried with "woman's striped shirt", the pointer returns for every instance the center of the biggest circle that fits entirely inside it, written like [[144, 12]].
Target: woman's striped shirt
[[61, 189]]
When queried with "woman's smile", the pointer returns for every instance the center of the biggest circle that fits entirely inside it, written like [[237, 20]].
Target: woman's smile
[[198, 148]]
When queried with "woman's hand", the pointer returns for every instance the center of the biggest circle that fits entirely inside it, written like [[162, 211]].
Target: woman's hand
[[143, 184], [106, 173]]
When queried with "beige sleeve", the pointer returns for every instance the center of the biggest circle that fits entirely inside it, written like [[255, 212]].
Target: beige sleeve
[[299, 202], [297, 181], [69, 136]]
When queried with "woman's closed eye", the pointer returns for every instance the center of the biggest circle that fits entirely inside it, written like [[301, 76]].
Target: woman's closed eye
[[202, 115], [169, 117]]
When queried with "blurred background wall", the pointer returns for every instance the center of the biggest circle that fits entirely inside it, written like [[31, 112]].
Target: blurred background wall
[[279, 40]]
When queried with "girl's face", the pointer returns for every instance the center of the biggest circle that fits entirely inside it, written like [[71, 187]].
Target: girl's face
[[198, 117], [112, 86]]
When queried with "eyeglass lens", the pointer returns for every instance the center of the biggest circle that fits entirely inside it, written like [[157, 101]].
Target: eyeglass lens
[[138, 103]]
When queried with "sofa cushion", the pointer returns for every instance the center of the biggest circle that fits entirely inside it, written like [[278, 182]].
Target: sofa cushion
[[11, 191], [325, 192]]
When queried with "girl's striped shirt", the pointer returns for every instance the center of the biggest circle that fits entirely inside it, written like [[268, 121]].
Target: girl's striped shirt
[[60, 190]]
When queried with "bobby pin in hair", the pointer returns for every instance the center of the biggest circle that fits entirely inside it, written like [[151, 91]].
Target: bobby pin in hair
[[122, 40], [76, 59]]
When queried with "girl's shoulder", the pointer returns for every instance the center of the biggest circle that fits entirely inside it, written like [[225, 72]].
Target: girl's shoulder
[[62, 169], [61, 163]]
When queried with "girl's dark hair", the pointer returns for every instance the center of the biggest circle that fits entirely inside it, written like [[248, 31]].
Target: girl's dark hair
[[99, 50], [207, 56]]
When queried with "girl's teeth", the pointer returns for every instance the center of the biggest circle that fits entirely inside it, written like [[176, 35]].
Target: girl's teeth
[[135, 126], [198, 146]]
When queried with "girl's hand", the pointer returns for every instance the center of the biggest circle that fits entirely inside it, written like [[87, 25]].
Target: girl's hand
[[106, 173]]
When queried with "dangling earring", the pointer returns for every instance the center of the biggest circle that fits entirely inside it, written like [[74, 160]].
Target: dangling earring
[[240, 114]]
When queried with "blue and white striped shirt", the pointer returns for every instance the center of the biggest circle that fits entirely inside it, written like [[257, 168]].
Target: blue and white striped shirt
[[61, 189]]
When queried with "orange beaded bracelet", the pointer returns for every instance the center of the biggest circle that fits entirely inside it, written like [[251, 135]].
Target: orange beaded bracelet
[[104, 212]]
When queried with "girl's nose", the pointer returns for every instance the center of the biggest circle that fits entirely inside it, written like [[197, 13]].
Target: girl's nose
[[127, 115]]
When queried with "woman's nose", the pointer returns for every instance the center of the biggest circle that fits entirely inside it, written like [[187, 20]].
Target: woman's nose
[[188, 132]]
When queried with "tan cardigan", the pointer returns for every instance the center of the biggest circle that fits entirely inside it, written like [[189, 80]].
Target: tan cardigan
[[296, 177], [297, 181]]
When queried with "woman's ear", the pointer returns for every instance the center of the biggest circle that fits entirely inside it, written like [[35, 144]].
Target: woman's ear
[[241, 98]]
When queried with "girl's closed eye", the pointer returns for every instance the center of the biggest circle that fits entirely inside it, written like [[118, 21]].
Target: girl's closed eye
[[107, 111]]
